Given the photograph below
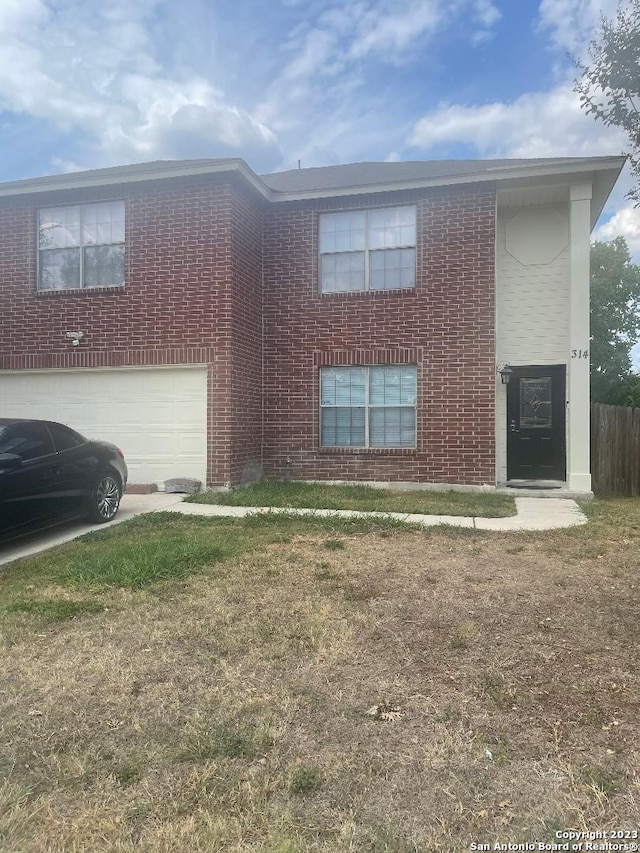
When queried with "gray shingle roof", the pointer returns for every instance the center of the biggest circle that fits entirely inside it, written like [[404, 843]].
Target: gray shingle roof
[[364, 174], [91, 176], [335, 180]]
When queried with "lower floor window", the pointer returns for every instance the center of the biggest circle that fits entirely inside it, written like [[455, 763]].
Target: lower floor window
[[368, 406]]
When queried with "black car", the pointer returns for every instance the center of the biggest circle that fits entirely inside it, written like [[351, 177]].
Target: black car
[[49, 472]]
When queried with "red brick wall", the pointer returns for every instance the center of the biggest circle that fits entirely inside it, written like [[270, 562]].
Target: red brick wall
[[208, 281], [445, 326], [246, 339], [178, 267], [192, 277]]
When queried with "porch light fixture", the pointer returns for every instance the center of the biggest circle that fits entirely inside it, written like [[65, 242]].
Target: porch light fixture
[[505, 372], [74, 337]]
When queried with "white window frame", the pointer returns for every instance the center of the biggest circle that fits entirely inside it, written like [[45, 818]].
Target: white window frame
[[367, 249], [81, 246], [367, 408]]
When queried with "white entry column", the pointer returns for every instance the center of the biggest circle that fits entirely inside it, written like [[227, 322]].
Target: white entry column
[[578, 420]]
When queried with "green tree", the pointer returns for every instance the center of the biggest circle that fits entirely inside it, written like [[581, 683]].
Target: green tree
[[615, 321], [626, 393], [610, 85]]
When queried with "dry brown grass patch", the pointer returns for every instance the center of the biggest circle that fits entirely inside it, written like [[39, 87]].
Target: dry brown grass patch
[[229, 711]]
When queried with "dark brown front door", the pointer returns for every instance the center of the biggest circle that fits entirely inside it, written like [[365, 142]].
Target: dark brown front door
[[536, 423]]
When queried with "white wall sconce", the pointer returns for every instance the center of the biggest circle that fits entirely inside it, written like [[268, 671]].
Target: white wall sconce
[[74, 337], [505, 371]]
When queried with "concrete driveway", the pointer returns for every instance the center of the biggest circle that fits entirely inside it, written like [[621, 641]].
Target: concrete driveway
[[131, 505]]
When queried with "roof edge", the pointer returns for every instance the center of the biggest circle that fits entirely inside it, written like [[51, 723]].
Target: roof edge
[[79, 180], [494, 174]]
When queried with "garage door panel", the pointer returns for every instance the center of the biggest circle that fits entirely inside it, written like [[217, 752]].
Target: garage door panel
[[156, 416]]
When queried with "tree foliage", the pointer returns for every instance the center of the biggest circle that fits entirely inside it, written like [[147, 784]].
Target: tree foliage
[[610, 85], [626, 393], [615, 321]]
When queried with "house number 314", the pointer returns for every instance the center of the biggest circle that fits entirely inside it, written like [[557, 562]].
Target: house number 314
[[579, 353]]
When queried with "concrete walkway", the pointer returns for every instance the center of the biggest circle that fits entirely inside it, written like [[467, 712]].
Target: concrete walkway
[[532, 514]]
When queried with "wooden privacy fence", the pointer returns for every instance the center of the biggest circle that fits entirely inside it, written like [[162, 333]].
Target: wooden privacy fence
[[615, 450]]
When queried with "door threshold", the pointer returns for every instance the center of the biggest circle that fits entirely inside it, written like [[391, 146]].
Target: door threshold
[[541, 489], [536, 485]]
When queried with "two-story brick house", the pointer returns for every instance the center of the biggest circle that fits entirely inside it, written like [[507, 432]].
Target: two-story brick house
[[348, 322]]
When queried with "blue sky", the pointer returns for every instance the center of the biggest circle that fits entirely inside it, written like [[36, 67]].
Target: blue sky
[[86, 84]]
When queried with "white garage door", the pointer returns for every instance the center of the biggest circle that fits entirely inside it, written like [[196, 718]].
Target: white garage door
[[157, 416]]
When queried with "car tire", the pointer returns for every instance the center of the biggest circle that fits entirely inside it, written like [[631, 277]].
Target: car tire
[[105, 498]]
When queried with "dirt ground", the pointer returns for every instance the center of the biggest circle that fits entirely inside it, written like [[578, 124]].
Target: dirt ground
[[395, 691]]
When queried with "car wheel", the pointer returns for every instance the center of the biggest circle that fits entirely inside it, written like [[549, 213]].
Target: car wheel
[[105, 499]]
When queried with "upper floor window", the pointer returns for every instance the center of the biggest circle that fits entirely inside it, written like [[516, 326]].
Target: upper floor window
[[81, 245], [368, 250]]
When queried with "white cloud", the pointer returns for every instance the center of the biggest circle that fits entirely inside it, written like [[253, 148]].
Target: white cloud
[[62, 165], [537, 124], [571, 23], [488, 16], [114, 77], [487, 13], [389, 32], [16, 14], [625, 222], [183, 118], [322, 103], [316, 56], [92, 70]]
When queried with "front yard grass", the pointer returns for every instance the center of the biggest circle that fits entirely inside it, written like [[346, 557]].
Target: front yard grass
[[290, 685], [289, 493]]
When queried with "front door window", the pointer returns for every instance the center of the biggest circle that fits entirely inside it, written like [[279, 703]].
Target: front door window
[[535, 402]]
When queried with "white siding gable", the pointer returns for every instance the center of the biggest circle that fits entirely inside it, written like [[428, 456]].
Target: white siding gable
[[532, 295]]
